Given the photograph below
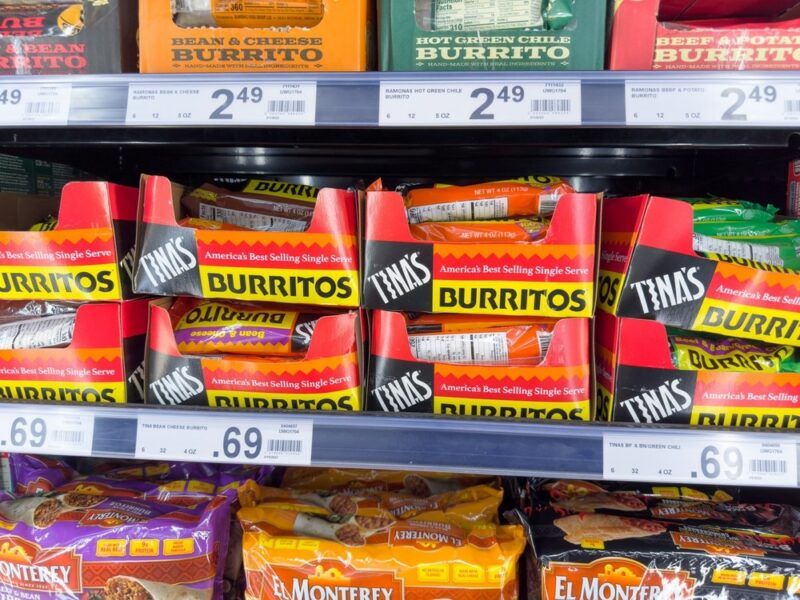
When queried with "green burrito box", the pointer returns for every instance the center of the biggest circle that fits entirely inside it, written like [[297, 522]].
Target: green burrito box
[[492, 35]]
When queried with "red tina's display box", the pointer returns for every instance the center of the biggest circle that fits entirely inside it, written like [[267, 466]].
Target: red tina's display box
[[328, 377], [318, 266], [102, 363], [705, 35], [637, 382], [560, 387], [649, 269], [88, 255], [551, 277]]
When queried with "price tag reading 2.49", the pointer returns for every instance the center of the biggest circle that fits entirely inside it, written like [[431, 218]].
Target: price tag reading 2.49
[[226, 103], [735, 103], [259, 440], [699, 459], [425, 104]]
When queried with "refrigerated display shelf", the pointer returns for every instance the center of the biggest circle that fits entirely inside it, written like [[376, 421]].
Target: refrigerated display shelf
[[709, 109], [425, 442]]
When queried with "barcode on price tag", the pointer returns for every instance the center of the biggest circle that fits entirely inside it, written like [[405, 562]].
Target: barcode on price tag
[[54, 433], [226, 103], [716, 459], [35, 104], [261, 440], [737, 103], [418, 104]]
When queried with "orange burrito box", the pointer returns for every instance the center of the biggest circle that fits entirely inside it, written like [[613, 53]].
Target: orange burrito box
[[247, 36], [638, 382], [102, 362], [327, 377], [318, 266], [650, 270], [87, 255], [550, 277], [558, 387]]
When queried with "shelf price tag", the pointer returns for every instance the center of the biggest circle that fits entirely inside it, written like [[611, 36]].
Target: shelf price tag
[[223, 104], [53, 433], [730, 104], [453, 103], [257, 440], [711, 458], [34, 104]]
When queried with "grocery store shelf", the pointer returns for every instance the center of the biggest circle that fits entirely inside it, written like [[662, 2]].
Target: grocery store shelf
[[502, 447], [710, 109]]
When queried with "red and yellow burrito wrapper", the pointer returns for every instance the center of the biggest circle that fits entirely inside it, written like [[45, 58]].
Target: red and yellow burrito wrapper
[[496, 200], [454, 323], [518, 345], [498, 232], [198, 223], [224, 327]]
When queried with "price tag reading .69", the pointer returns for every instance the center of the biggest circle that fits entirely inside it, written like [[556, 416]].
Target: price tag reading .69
[[422, 103], [59, 433], [258, 440], [688, 459]]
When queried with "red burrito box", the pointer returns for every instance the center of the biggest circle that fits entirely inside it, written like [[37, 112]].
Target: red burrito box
[[88, 255], [102, 363], [649, 269], [705, 35], [318, 266], [551, 277], [559, 387], [638, 383], [328, 377]]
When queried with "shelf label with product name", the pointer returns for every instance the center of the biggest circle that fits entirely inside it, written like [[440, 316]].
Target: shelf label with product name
[[729, 104], [53, 433], [471, 103], [712, 459], [223, 104], [35, 104], [258, 440]]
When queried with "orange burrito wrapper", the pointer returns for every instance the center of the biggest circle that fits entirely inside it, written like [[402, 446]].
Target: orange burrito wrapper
[[368, 481], [465, 508], [518, 345], [294, 554], [198, 223], [479, 202], [224, 327], [452, 323], [503, 231]]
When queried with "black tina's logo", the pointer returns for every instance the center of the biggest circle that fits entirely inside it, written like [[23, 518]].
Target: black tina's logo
[[177, 386], [672, 289], [401, 277], [661, 403], [403, 393]]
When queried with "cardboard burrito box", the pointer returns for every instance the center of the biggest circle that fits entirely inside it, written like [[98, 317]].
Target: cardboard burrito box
[[318, 266], [327, 377], [79, 36], [560, 387], [551, 277], [216, 36], [649, 269], [638, 383], [465, 35], [102, 363], [705, 35], [88, 255]]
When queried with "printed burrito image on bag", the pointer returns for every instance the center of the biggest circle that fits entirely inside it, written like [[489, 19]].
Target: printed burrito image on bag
[[73, 545]]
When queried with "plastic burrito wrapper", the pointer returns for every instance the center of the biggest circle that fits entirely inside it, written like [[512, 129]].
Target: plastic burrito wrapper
[[34, 324], [485, 15], [247, 13]]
